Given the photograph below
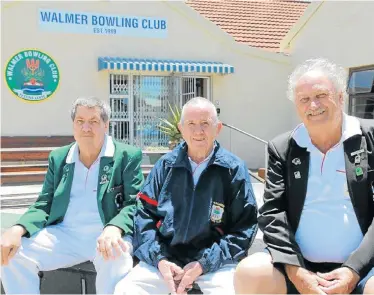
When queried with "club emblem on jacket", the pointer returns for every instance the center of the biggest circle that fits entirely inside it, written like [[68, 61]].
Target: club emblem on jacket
[[217, 212]]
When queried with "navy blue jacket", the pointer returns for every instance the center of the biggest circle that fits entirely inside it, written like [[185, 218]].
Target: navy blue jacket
[[213, 223]]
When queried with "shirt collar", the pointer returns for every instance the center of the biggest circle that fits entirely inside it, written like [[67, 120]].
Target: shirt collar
[[107, 150], [207, 158], [350, 128]]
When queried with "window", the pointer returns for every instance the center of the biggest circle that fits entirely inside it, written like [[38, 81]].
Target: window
[[361, 92], [138, 101]]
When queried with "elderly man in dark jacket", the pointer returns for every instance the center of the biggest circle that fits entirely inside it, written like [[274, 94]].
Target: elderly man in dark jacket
[[197, 215]]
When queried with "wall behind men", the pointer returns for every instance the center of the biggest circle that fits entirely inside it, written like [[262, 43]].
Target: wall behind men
[[252, 99], [341, 31]]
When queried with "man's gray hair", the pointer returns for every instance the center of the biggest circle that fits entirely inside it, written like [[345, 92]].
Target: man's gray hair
[[92, 102], [335, 73], [201, 102]]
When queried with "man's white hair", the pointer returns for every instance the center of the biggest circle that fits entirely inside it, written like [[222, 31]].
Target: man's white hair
[[335, 73], [200, 102]]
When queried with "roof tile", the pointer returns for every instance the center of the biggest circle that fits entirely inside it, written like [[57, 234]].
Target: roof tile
[[258, 23]]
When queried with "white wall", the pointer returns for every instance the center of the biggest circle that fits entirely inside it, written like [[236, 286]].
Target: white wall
[[339, 30], [77, 54], [256, 103], [252, 99]]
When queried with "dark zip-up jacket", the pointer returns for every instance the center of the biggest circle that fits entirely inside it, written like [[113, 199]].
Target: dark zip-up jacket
[[214, 222]]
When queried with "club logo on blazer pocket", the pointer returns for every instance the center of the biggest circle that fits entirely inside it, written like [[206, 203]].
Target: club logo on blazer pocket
[[217, 212]]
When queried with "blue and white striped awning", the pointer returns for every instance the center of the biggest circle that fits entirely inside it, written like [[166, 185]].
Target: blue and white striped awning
[[181, 66]]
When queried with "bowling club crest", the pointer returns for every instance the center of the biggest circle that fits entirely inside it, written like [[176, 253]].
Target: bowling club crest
[[32, 75], [217, 212]]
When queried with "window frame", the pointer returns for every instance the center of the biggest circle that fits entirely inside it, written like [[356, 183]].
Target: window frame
[[351, 97]]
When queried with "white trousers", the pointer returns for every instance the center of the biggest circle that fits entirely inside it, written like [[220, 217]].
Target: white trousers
[[58, 247], [146, 279]]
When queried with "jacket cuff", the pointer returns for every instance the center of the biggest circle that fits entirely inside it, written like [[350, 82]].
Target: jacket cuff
[[283, 258], [30, 228], [121, 227], [358, 267], [205, 264], [126, 229], [159, 257], [26, 234]]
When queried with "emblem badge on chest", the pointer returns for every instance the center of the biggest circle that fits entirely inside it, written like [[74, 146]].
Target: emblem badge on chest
[[104, 179], [217, 212]]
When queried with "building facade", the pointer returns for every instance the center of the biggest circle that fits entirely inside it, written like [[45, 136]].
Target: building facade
[[142, 57]]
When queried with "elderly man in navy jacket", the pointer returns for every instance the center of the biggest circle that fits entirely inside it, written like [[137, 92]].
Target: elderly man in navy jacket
[[197, 214]]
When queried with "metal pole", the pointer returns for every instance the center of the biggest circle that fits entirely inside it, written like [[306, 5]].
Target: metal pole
[[266, 159], [243, 132]]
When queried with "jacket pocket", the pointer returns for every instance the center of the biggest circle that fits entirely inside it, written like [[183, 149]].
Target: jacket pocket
[[165, 227]]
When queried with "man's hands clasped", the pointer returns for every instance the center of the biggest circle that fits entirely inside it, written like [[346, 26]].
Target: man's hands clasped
[[342, 280], [179, 280]]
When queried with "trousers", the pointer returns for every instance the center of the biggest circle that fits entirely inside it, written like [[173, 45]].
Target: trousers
[[58, 247], [145, 279]]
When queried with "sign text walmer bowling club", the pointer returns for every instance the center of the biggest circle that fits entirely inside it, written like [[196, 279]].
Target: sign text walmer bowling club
[[104, 24]]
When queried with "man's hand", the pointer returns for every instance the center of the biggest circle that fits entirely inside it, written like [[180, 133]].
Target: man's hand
[[169, 272], [10, 242], [110, 243], [345, 281], [191, 272], [306, 282]]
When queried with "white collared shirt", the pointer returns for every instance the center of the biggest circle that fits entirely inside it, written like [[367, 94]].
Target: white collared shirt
[[328, 230], [83, 213]]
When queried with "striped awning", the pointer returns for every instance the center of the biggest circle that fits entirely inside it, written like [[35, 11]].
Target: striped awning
[[179, 66]]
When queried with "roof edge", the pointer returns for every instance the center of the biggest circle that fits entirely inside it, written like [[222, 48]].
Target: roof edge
[[214, 32], [309, 12]]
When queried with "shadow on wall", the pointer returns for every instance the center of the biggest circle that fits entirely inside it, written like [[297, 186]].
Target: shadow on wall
[[247, 148]]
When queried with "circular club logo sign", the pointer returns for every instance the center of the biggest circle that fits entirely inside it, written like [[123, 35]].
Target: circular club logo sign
[[32, 75]]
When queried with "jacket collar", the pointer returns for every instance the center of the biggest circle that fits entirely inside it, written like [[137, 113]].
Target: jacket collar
[[179, 156], [107, 150]]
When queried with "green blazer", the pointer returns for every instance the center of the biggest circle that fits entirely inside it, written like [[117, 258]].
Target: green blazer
[[120, 179]]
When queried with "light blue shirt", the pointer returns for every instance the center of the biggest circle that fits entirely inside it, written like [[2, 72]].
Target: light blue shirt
[[83, 213], [328, 230], [197, 169]]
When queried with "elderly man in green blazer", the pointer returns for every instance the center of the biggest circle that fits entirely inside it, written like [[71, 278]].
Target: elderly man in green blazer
[[84, 211]]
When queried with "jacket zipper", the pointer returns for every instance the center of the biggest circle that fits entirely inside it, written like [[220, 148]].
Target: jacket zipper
[[192, 203]]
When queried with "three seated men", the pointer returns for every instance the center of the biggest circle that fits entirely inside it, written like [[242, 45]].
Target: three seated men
[[195, 216]]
